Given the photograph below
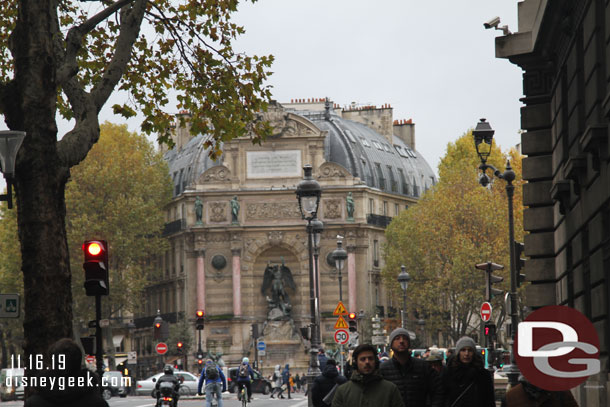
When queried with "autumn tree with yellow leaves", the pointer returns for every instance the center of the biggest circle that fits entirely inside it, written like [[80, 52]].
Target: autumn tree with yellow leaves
[[455, 225]]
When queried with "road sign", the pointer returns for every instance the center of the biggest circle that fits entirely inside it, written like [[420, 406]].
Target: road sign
[[9, 306], [379, 340], [104, 323], [261, 345], [341, 336], [341, 324], [132, 358], [340, 310], [485, 311], [161, 348], [90, 359]]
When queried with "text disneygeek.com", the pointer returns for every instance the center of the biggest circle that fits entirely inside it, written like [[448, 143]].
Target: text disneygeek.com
[[62, 382]]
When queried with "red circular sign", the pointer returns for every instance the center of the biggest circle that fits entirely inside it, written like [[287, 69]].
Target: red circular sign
[[161, 348], [341, 336], [485, 311], [557, 348]]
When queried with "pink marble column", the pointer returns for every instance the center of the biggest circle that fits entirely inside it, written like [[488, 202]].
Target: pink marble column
[[236, 282], [351, 278], [201, 279]]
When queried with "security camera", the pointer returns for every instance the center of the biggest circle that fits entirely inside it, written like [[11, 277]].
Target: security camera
[[493, 23]]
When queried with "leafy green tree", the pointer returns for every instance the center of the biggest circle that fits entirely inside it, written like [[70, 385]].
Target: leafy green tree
[[68, 57], [454, 226]]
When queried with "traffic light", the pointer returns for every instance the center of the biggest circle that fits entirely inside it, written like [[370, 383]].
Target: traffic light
[[490, 330], [200, 319], [519, 262], [96, 267], [157, 327], [352, 322], [179, 346], [490, 279]]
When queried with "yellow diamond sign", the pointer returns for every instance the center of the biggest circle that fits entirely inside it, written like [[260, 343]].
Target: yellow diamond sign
[[340, 324]]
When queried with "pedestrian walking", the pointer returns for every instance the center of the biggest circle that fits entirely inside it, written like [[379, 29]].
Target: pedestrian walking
[[286, 378], [418, 383], [526, 394], [324, 383], [277, 382], [215, 382], [367, 387], [465, 381], [297, 381]]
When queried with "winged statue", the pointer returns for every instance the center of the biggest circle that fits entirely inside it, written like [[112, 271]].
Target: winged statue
[[276, 280]]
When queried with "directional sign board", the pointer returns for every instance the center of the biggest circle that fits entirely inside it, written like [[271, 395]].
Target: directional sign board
[[485, 311], [340, 310], [341, 336], [379, 340], [9, 306], [341, 324], [161, 348]]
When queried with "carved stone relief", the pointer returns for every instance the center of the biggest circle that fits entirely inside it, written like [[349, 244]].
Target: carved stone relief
[[332, 170], [332, 208], [272, 210], [218, 211], [216, 174], [275, 237]]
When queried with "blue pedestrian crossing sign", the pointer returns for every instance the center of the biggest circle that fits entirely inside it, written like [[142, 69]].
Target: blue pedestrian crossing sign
[[9, 306], [260, 345]]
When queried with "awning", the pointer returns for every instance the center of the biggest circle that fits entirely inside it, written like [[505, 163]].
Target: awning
[[117, 339]]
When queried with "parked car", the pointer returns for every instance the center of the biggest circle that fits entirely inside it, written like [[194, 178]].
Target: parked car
[[259, 385], [187, 388], [11, 387], [114, 385]]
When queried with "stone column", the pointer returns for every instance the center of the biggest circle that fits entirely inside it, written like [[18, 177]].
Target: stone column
[[200, 279], [236, 281], [351, 278]]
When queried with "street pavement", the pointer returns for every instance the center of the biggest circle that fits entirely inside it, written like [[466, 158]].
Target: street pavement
[[229, 400]]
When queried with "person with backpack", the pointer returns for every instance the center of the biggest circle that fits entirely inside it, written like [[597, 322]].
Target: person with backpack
[[245, 375], [277, 382], [215, 382], [324, 383]]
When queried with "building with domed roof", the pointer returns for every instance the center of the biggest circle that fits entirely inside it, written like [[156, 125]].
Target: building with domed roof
[[232, 219]]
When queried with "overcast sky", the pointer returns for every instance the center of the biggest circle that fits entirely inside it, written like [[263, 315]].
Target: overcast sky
[[431, 60]]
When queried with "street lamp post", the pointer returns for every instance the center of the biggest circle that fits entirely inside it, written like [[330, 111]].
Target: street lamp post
[[317, 227], [403, 279], [308, 195], [10, 141], [483, 138], [340, 255]]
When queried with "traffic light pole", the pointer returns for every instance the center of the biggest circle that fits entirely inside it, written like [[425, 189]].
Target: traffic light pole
[[99, 353]]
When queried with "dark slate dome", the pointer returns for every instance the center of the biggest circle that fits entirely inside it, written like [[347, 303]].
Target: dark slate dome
[[366, 154], [393, 168]]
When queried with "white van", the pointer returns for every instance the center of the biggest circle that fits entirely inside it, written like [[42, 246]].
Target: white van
[[11, 387]]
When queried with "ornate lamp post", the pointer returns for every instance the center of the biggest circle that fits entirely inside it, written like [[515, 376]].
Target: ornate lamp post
[[10, 141], [483, 138], [340, 255], [403, 279], [317, 227], [308, 195]]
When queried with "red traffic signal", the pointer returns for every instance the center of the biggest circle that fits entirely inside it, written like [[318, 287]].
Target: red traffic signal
[[199, 319], [179, 345], [200, 361], [96, 267], [352, 322]]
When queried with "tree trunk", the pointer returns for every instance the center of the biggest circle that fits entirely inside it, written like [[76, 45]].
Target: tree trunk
[[40, 180]]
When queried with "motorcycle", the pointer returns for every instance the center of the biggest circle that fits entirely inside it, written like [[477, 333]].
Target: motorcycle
[[167, 395]]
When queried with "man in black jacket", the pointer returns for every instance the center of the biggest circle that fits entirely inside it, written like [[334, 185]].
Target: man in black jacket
[[417, 382], [324, 383]]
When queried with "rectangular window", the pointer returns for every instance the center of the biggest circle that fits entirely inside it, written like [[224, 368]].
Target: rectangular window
[[385, 208], [380, 176], [393, 184], [396, 209], [376, 253], [371, 205]]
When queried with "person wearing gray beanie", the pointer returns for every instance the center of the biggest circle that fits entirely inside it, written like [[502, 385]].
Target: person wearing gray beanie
[[417, 381], [466, 382]]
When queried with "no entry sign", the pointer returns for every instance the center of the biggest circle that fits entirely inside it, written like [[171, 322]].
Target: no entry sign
[[161, 348], [485, 311]]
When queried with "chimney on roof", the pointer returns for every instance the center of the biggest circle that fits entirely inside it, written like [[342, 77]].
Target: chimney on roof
[[405, 130]]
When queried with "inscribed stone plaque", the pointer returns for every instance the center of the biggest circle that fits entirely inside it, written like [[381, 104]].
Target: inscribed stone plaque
[[273, 164]]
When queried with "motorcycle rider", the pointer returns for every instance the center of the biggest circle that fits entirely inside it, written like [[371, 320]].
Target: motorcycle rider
[[168, 377]]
